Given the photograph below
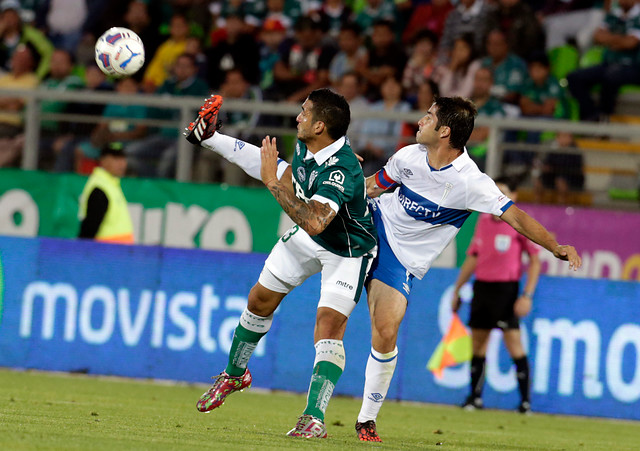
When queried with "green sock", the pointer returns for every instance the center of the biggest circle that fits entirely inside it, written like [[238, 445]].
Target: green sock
[[324, 379], [244, 343]]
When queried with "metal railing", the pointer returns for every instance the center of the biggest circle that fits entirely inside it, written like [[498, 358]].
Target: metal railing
[[187, 106]]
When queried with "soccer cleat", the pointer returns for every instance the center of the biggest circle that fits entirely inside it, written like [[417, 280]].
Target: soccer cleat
[[308, 427], [367, 432], [206, 124], [473, 403], [525, 407], [223, 386]]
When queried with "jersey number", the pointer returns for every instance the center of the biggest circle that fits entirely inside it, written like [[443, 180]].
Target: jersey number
[[290, 233]]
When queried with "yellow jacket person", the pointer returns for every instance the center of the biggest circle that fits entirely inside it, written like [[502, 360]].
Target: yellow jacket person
[[103, 207]]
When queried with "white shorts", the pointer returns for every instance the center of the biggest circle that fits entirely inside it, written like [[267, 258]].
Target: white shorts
[[296, 257]]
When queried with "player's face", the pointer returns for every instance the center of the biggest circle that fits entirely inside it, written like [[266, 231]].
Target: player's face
[[305, 121], [427, 133]]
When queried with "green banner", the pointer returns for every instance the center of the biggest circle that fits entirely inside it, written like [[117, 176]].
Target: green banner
[[164, 212]]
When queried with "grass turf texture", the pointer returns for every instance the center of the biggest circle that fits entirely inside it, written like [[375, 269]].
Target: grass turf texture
[[75, 412]]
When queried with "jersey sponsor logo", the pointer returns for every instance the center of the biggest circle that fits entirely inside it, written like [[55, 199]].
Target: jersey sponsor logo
[[422, 209], [336, 179], [312, 177], [302, 174], [337, 176], [502, 243], [331, 161], [407, 172]]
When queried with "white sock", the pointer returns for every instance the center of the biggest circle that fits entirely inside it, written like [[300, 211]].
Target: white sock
[[239, 152], [378, 375]]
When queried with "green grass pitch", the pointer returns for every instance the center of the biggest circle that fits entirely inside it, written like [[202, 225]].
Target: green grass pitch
[[41, 411]]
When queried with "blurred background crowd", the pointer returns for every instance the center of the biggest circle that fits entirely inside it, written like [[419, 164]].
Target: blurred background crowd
[[513, 58]]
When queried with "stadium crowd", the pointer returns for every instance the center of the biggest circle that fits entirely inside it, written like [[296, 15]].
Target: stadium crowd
[[508, 56]]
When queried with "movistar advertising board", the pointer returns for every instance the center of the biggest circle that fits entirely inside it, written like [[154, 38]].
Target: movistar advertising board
[[154, 312]]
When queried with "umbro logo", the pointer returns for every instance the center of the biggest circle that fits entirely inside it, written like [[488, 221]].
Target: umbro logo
[[375, 397], [407, 172]]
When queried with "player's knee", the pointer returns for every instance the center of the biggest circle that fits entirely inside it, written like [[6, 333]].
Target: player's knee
[[260, 302]]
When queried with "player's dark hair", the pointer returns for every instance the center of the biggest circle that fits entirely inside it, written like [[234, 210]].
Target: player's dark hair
[[459, 115], [511, 182], [332, 109]]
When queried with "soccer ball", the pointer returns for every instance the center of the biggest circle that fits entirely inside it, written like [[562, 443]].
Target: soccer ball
[[119, 52]]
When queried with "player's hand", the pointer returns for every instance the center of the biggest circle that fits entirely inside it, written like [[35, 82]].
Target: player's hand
[[360, 159], [522, 306], [456, 302], [568, 253], [269, 161]]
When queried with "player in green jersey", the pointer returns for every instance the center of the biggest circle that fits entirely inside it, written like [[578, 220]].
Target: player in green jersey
[[324, 193]]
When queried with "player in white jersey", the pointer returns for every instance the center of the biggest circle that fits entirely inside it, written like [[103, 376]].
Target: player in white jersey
[[437, 186]]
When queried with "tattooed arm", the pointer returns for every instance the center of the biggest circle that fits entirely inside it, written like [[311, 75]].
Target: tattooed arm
[[314, 216]]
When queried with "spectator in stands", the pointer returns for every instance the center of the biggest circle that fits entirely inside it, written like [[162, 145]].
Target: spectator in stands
[[304, 65], [236, 50], [67, 153], [351, 87], [456, 77], [541, 92], [21, 77], [476, 17], [509, 70], [386, 58], [380, 136], [523, 30], [375, 11], [620, 36], [159, 68], [429, 16], [64, 21], [138, 20], [116, 125], [194, 48], [421, 63], [13, 33], [560, 171], [334, 14], [56, 134], [156, 154], [272, 40], [567, 21], [488, 106], [352, 55]]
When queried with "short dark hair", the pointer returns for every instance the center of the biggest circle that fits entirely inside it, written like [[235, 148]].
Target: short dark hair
[[459, 115], [332, 109], [511, 182]]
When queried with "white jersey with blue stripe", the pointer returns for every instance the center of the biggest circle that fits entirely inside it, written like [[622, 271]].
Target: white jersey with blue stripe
[[429, 206]]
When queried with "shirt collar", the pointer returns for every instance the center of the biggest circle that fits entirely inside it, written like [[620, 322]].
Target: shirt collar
[[462, 160], [323, 154]]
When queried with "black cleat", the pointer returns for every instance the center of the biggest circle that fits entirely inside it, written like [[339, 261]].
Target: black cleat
[[367, 432]]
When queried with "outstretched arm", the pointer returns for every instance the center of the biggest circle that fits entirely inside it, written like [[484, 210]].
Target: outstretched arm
[[313, 216], [532, 229]]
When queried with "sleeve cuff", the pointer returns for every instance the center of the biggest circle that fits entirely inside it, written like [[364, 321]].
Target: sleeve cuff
[[323, 200]]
